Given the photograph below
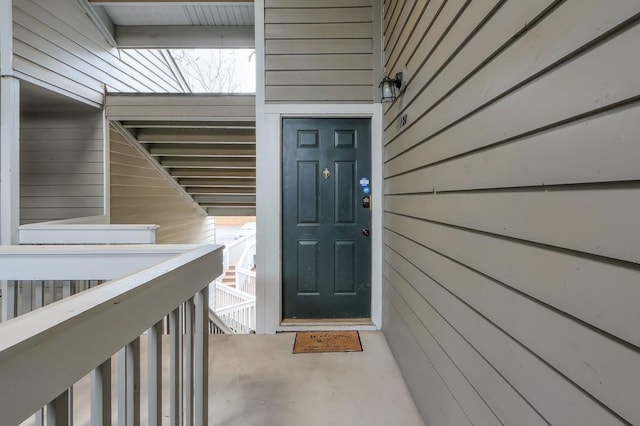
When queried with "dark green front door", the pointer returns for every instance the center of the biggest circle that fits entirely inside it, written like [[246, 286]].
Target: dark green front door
[[326, 220]]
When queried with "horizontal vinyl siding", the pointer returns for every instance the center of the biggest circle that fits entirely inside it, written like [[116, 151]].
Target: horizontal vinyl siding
[[141, 195], [57, 46], [319, 52], [511, 257], [61, 165], [176, 107]]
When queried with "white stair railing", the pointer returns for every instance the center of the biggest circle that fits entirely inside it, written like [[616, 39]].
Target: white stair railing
[[44, 353], [233, 251], [236, 308]]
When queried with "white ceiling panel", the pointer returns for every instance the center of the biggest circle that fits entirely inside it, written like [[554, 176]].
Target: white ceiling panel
[[173, 14]]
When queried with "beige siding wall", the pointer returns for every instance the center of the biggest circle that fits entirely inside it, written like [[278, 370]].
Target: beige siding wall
[[61, 164], [194, 107], [140, 194], [319, 51], [511, 238], [57, 46]]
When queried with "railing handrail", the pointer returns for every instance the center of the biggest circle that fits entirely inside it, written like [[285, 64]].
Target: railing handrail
[[246, 271], [82, 262], [57, 345], [86, 226], [98, 220], [86, 233], [240, 240], [249, 246], [219, 322], [236, 292], [235, 307]]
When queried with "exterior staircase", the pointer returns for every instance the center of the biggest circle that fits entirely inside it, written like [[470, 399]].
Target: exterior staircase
[[229, 278]]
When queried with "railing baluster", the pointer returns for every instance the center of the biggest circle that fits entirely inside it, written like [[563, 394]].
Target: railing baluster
[[189, 326], [201, 357], [9, 300], [38, 294], [49, 292], [154, 372], [129, 384], [66, 289], [58, 413], [26, 295], [175, 367], [101, 395], [188, 362], [38, 302]]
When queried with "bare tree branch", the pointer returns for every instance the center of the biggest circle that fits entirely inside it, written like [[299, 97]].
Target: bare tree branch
[[213, 71]]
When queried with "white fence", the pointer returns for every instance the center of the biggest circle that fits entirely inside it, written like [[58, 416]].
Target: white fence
[[44, 353]]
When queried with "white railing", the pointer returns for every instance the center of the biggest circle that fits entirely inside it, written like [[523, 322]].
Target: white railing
[[245, 276], [234, 250], [236, 308], [43, 353], [88, 230], [227, 296], [85, 220], [246, 280], [241, 317], [246, 258]]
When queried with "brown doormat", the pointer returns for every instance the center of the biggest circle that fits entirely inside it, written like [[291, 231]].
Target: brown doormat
[[327, 341]]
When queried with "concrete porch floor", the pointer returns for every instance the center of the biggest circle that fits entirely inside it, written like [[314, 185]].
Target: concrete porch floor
[[256, 380]]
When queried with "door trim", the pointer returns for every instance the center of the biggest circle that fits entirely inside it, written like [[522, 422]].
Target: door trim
[[269, 204]]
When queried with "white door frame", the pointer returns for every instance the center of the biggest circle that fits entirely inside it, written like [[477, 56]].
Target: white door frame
[[269, 206]]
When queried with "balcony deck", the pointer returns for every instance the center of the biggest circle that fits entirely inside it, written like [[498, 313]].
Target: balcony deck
[[256, 380]]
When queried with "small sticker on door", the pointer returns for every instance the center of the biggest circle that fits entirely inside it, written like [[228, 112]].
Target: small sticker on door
[[364, 181]]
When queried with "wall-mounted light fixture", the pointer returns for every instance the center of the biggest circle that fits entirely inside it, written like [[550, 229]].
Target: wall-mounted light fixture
[[388, 87]]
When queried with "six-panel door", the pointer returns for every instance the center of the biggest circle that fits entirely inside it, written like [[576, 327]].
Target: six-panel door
[[326, 253]]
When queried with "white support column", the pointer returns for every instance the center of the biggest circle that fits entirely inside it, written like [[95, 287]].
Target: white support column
[[9, 159], [265, 323], [9, 151]]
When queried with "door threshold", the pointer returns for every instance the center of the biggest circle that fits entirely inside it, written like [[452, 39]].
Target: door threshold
[[357, 324]]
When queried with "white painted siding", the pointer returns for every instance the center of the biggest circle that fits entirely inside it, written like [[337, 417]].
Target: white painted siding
[[511, 198], [142, 195], [319, 51], [61, 164], [58, 47]]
